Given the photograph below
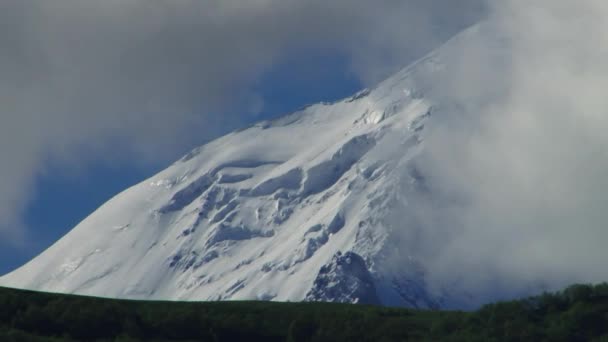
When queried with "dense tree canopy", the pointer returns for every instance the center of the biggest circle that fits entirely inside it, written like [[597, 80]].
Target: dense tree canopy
[[579, 313]]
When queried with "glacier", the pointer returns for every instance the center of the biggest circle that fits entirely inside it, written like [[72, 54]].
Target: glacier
[[297, 208]]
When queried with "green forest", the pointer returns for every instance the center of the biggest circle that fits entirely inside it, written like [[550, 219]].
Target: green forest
[[578, 313]]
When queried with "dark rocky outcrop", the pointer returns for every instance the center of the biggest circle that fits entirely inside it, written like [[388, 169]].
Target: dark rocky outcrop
[[345, 279]]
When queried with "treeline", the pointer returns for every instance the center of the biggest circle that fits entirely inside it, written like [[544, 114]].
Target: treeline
[[579, 313]]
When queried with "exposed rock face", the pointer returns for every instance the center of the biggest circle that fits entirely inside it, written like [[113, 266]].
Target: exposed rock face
[[345, 279]]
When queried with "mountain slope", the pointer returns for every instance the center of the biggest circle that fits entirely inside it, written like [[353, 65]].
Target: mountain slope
[[269, 212]]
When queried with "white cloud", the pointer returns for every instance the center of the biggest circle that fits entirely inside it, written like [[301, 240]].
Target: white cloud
[[527, 155], [142, 79]]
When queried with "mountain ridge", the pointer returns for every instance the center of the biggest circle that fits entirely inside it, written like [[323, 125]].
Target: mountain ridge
[[260, 213]]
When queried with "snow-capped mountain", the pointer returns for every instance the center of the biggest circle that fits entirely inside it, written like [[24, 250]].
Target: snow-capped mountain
[[293, 209]]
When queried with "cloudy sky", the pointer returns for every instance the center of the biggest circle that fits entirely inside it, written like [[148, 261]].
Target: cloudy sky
[[97, 95]]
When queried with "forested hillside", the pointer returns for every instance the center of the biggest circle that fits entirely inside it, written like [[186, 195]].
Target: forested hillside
[[579, 313]]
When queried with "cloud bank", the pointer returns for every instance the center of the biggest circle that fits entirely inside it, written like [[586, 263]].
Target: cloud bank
[[517, 160], [117, 80]]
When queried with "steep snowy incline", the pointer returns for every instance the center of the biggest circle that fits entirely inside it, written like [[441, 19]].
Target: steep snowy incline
[[291, 209]]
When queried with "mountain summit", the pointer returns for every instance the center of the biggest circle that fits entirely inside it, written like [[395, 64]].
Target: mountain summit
[[298, 208]]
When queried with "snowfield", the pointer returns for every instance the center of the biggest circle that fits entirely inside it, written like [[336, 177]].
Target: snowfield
[[287, 210]]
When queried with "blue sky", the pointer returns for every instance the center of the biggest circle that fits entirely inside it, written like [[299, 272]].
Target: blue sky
[[63, 199]]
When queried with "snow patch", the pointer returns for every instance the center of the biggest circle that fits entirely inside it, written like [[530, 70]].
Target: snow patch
[[327, 173], [290, 181]]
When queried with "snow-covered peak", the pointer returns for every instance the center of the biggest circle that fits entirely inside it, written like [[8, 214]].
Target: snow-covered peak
[[266, 212]]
